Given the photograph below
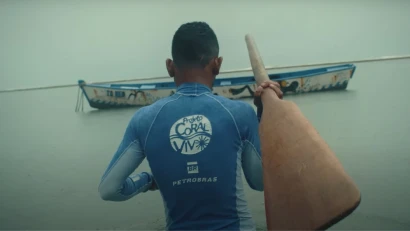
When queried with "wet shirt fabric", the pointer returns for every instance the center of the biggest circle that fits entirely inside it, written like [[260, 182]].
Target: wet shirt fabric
[[196, 144]]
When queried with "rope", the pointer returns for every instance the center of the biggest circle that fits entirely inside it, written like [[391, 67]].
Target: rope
[[383, 58], [80, 101]]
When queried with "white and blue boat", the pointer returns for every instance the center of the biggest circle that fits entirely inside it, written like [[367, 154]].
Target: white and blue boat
[[103, 96]]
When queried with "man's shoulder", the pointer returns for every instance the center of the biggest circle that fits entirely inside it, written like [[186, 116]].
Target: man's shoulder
[[148, 113], [241, 111], [234, 105]]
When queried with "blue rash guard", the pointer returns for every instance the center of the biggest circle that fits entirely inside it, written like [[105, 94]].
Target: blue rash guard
[[196, 144]]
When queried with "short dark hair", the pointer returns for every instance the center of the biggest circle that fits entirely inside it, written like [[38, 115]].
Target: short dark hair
[[194, 44]]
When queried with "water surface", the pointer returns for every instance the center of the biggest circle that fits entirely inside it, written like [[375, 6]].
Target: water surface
[[52, 158]]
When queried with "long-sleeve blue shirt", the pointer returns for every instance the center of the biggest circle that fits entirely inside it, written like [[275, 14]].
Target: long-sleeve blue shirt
[[196, 144]]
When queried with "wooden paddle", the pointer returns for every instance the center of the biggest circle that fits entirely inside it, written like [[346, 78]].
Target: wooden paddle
[[306, 187]]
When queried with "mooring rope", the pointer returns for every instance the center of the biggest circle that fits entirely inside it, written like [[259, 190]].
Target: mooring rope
[[80, 101], [383, 58]]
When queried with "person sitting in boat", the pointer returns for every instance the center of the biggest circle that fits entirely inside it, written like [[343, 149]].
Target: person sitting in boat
[[196, 143]]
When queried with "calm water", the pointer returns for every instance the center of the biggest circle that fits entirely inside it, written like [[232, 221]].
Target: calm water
[[51, 158]]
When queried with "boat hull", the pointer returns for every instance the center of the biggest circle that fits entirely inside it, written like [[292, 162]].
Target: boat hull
[[105, 96]]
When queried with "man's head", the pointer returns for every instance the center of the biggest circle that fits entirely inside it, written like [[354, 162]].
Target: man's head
[[195, 51]]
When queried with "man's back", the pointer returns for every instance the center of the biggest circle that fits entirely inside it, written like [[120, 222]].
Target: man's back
[[195, 144]]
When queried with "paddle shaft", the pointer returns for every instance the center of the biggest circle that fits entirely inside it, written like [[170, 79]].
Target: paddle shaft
[[258, 68], [257, 65]]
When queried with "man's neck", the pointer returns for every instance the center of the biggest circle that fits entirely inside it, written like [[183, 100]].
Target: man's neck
[[194, 76]]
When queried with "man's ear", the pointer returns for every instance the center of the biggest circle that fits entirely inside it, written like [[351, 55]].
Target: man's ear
[[170, 67], [217, 65]]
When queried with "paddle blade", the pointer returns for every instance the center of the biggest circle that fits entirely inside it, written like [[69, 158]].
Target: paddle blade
[[306, 187]]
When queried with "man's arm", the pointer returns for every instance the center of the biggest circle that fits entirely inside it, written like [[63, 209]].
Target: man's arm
[[251, 153], [259, 110], [116, 183]]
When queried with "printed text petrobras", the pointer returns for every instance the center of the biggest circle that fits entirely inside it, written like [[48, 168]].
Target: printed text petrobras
[[195, 180]]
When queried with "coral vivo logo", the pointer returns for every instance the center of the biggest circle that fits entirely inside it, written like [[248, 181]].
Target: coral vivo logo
[[191, 134]]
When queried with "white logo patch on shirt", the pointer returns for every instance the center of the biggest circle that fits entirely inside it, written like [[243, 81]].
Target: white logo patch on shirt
[[191, 134]]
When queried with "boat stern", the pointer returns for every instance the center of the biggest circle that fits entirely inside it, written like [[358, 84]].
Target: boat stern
[[81, 83]]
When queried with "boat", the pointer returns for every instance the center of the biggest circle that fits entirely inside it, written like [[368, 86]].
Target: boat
[[104, 96]]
